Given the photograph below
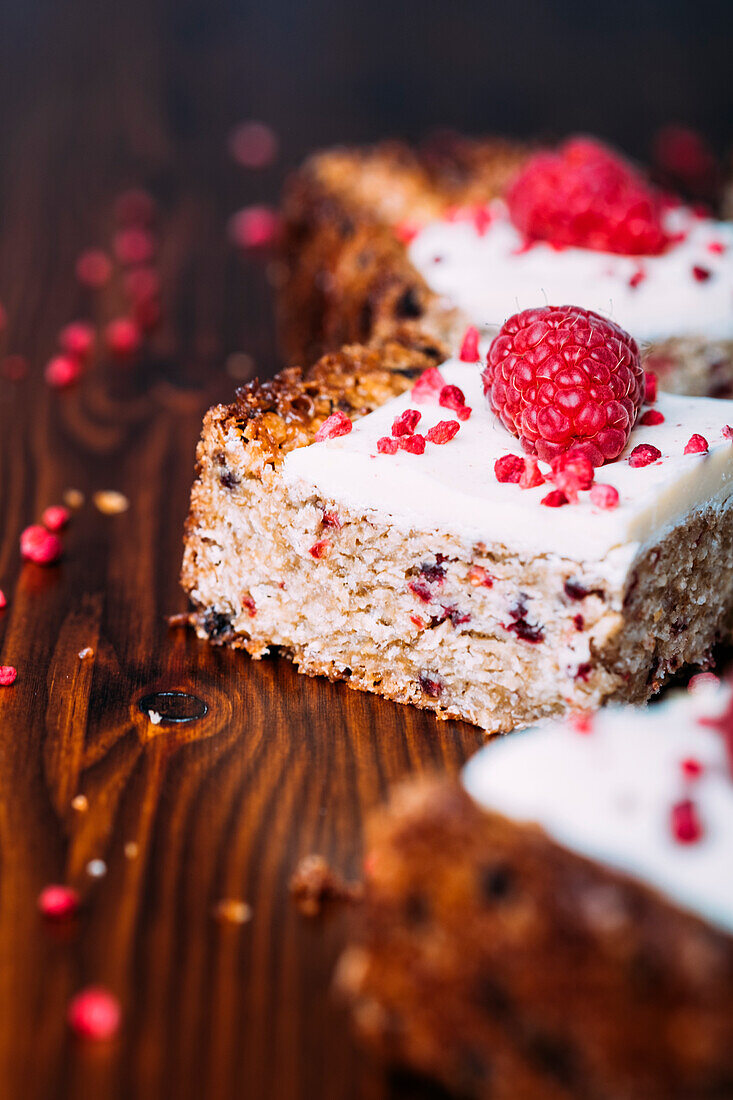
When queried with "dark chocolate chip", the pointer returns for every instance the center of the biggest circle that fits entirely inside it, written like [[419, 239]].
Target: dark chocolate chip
[[497, 882], [408, 305], [216, 624]]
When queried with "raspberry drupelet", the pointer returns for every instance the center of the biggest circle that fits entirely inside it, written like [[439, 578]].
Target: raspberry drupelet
[[561, 376]]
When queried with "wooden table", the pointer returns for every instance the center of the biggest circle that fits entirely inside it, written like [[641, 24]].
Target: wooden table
[[183, 815]]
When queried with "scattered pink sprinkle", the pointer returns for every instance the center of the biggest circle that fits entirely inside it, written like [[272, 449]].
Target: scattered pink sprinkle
[[8, 675], [55, 517], [253, 144], [443, 431], [320, 549], [406, 231], [406, 422], [716, 247], [469, 346], [604, 496], [94, 268], [572, 473], [509, 468], [428, 386], [94, 1013], [39, 545], [133, 245], [58, 902], [77, 339], [691, 768], [413, 444], [62, 371], [555, 499], [651, 418], [650, 387], [702, 274], [337, 424], [696, 445], [3, 600], [122, 337], [531, 475], [685, 822], [644, 455], [254, 227], [388, 446]]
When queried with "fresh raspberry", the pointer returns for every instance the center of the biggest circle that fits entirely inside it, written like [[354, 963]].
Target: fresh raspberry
[[94, 1013], [58, 902], [650, 387], [560, 376], [696, 445], [338, 423], [651, 418], [604, 496], [428, 386], [509, 468], [388, 446], [406, 422], [413, 444], [39, 545], [684, 159], [644, 455], [4, 318], [585, 195], [469, 347], [443, 431]]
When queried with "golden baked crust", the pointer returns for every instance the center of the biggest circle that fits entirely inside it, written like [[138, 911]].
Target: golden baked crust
[[347, 275]]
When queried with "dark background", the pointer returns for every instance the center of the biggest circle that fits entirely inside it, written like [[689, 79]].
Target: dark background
[[96, 96]]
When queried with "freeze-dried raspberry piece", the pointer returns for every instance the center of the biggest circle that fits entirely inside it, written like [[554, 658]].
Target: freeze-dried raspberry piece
[[572, 472], [531, 475], [685, 822], [413, 444], [651, 418], [421, 590], [39, 545], [406, 422], [430, 685], [388, 446], [555, 499], [94, 1014], [701, 274], [479, 577], [469, 346], [338, 423], [428, 386], [62, 371], [727, 431], [691, 768], [8, 675], [249, 605], [644, 455], [696, 445], [320, 549], [650, 387], [443, 431], [509, 468], [451, 397], [585, 195], [604, 496], [58, 902], [561, 376]]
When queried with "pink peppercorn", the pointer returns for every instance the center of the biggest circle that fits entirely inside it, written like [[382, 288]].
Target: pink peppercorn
[[58, 902], [39, 545], [337, 424], [696, 445], [651, 418], [509, 468], [8, 675], [443, 431], [55, 517], [685, 822], [604, 496], [406, 422], [62, 371], [644, 455], [469, 346], [94, 1013]]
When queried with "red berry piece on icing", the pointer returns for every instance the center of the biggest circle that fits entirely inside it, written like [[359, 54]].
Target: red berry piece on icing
[[39, 545], [644, 455], [413, 444], [572, 472], [451, 397], [94, 268], [62, 371], [716, 248], [727, 432], [696, 445], [531, 476], [58, 902], [686, 824], [561, 376], [320, 549], [651, 418], [388, 446], [701, 274], [443, 431], [691, 768], [77, 339], [406, 422], [604, 496], [8, 675], [254, 227], [638, 277], [428, 385], [338, 423], [585, 195], [650, 387], [94, 1013], [509, 468], [469, 347], [555, 499], [55, 517]]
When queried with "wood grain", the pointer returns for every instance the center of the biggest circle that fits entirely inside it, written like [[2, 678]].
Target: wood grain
[[280, 766]]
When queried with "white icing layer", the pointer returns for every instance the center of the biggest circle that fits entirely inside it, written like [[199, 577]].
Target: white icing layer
[[453, 487], [608, 794], [490, 277]]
